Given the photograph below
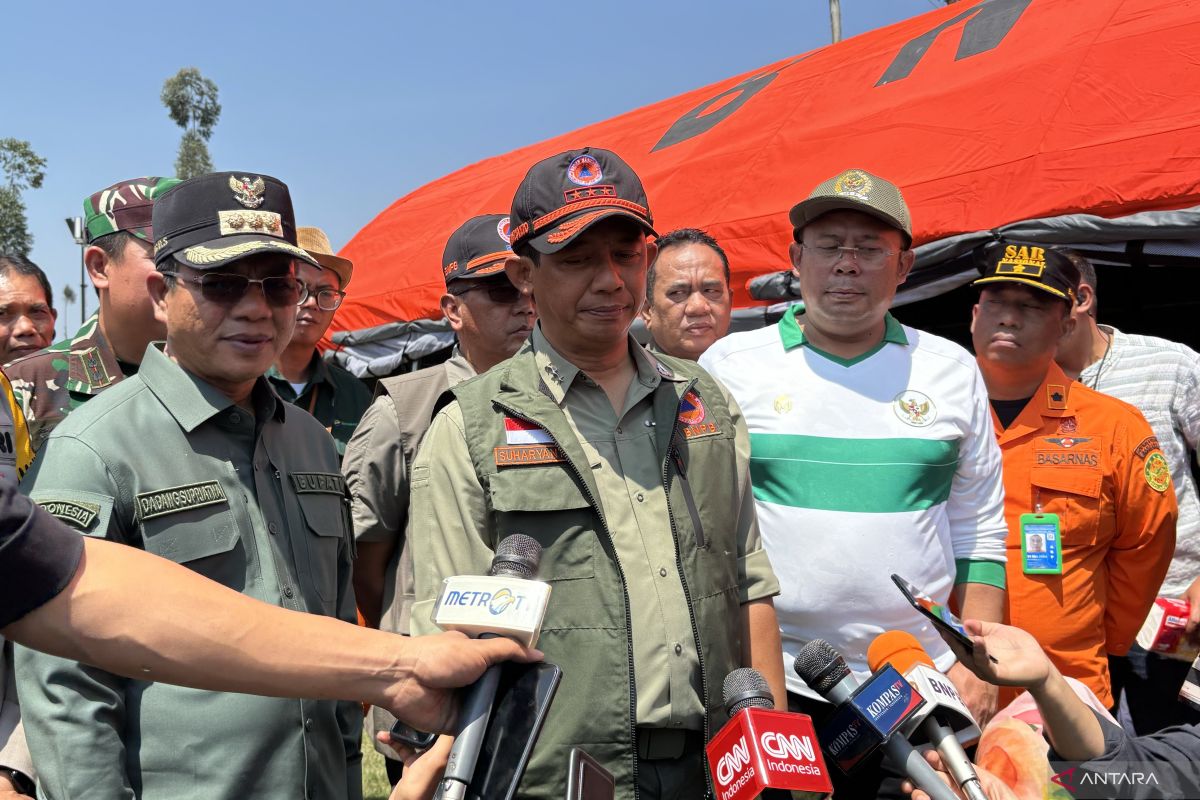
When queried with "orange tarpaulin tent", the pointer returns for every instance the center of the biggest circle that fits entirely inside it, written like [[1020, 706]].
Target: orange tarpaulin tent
[[985, 113]]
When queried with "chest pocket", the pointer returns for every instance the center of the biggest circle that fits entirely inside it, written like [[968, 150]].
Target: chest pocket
[[545, 503], [1074, 493], [203, 537], [325, 517]]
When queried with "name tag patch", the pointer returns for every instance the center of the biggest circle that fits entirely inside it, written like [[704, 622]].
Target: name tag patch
[[318, 483], [1065, 458], [78, 515], [179, 498], [523, 455]]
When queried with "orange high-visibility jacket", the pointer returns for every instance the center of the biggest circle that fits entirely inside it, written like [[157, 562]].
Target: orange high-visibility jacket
[[1092, 460]]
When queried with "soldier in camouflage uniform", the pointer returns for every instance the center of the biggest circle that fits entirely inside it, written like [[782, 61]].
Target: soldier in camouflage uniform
[[51, 383]]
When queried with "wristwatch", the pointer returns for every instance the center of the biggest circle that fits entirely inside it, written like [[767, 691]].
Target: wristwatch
[[20, 781]]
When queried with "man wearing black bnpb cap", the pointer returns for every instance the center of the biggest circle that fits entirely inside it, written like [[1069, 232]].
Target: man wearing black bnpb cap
[[631, 471], [197, 460]]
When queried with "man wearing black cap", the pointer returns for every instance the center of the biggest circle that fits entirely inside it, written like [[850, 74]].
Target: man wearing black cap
[[1082, 471], [631, 472], [197, 460], [491, 320]]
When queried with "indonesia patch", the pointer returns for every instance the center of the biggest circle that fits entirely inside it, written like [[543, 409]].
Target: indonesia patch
[[518, 431], [78, 515]]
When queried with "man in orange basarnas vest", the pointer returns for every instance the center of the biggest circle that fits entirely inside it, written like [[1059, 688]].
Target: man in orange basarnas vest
[[1083, 474]]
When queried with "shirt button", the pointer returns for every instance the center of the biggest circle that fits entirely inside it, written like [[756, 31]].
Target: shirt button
[[308, 724], [235, 417], [273, 528], [288, 593], [641, 497], [678, 648], [619, 429], [662, 572]]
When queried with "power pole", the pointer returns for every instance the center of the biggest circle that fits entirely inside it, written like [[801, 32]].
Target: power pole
[[835, 19]]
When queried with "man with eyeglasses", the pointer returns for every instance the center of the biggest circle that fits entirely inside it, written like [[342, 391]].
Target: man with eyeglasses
[[872, 451], [491, 320], [331, 394], [197, 460]]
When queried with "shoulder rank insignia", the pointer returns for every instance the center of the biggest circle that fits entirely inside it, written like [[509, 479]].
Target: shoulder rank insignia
[[1056, 396]]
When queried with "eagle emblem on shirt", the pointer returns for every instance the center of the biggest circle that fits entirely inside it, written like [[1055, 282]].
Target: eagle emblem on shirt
[[914, 408]]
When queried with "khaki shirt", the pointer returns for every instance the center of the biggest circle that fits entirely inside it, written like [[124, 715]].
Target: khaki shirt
[[447, 498], [254, 501]]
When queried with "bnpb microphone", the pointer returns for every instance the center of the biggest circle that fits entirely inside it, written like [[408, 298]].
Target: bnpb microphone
[[761, 748], [866, 715], [945, 720], [505, 602]]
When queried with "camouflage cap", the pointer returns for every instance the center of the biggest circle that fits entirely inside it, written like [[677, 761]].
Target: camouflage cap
[[856, 190], [124, 206]]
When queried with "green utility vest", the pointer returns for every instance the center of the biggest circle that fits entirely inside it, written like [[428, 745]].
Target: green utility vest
[[587, 626]]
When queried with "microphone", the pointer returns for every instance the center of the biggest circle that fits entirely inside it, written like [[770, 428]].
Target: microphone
[[761, 748], [945, 719], [505, 602], [866, 715]]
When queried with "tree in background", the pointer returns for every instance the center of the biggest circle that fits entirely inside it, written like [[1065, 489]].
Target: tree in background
[[191, 101], [23, 169]]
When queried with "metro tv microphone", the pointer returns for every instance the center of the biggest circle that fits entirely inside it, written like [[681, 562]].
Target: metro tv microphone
[[866, 715], [945, 719], [761, 748], [505, 602]]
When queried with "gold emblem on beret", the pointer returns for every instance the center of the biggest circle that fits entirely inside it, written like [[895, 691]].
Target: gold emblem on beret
[[854, 183], [248, 192]]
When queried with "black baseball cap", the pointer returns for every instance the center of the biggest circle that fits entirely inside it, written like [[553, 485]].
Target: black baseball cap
[[566, 194], [479, 248], [215, 219], [1034, 265]]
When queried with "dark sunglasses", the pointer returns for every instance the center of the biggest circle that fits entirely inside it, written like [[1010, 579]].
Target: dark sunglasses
[[503, 293], [227, 289]]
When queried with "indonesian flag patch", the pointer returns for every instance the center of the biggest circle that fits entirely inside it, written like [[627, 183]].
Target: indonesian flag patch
[[518, 431], [528, 445]]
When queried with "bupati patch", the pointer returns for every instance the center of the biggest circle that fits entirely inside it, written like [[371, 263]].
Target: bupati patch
[[1158, 473], [1060, 458], [1066, 442], [1147, 446], [694, 416], [518, 431], [179, 498], [318, 483], [524, 455], [77, 515]]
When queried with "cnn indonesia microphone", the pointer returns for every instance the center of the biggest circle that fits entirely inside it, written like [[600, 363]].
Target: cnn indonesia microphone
[[945, 718], [761, 748], [505, 602], [866, 715]]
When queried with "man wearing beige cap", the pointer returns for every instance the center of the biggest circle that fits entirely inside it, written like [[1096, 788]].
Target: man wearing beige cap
[[331, 394], [871, 451]]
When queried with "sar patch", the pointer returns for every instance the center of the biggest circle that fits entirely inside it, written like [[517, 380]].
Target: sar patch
[[318, 483], [78, 515], [1066, 441], [1148, 446], [694, 416], [179, 498], [914, 408], [1158, 473], [525, 455]]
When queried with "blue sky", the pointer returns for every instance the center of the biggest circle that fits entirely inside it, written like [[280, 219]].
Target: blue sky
[[356, 104]]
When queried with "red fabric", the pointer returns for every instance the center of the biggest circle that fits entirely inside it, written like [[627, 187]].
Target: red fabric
[[1081, 107]]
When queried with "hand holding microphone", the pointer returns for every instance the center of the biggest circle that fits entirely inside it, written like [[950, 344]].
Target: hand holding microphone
[[944, 714]]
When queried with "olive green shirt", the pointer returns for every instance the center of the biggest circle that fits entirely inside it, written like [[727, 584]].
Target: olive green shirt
[[335, 397], [254, 501], [448, 501]]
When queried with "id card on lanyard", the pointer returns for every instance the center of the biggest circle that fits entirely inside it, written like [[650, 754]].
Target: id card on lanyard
[[1041, 544]]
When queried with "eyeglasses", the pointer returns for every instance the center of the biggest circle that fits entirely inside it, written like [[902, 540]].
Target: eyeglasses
[[327, 299], [865, 257], [227, 289], [503, 293]]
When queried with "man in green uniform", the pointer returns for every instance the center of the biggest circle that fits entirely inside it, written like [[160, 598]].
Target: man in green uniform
[[331, 394], [491, 320], [631, 471], [197, 460], [50, 383]]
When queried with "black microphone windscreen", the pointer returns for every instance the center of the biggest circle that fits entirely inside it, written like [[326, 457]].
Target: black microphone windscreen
[[518, 556], [746, 688], [820, 666]]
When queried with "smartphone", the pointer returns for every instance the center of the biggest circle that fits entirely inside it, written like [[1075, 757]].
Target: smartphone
[[938, 614], [523, 698], [587, 779]]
